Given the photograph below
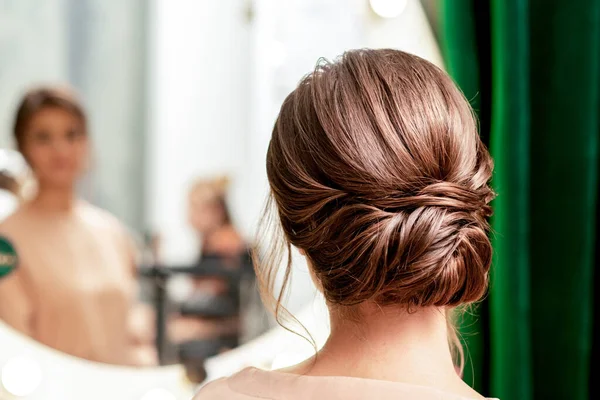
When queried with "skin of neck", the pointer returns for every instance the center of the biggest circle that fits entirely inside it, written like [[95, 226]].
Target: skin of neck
[[388, 344], [54, 198], [398, 345]]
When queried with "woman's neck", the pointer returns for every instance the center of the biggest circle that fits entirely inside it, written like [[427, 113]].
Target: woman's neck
[[54, 199], [389, 344]]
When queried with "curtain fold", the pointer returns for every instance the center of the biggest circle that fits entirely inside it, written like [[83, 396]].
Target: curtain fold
[[565, 67], [509, 145], [544, 101]]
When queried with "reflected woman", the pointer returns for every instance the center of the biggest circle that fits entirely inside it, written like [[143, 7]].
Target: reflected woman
[[381, 181], [74, 288], [220, 242]]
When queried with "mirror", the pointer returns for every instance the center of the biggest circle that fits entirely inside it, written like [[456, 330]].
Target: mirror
[[133, 177], [36, 372]]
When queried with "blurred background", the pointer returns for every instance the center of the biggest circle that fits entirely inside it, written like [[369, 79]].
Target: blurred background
[[181, 96]]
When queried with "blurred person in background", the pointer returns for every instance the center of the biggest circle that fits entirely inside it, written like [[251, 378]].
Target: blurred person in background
[[210, 217], [223, 249], [222, 308], [75, 286]]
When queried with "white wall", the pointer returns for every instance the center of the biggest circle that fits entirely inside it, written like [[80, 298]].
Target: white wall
[[107, 66], [96, 46], [198, 80], [32, 51]]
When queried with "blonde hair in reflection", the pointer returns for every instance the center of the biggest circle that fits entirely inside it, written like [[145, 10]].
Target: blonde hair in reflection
[[213, 190]]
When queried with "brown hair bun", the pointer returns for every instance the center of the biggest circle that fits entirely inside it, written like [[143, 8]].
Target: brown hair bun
[[379, 175]]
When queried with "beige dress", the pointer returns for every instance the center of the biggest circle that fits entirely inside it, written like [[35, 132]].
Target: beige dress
[[74, 287], [252, 384]]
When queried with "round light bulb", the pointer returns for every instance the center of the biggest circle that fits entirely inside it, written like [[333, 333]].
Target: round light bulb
[[158, 394], [388, 8], [21, 376]]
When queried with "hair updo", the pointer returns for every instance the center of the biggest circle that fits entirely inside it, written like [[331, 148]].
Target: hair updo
[[380, 177]]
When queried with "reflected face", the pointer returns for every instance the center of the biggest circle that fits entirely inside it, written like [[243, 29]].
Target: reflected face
[[205, 212], [56, 146]]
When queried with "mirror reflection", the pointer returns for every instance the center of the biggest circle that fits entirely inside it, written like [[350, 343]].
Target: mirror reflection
[[133, 140], [74, 285]]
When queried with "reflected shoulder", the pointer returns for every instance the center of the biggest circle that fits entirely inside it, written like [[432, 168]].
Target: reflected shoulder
[[13, 224]]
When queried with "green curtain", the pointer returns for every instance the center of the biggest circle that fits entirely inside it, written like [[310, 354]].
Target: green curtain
[[535, 66], [462, 63]]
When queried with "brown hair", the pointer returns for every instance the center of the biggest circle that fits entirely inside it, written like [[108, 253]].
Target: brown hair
[[9, 182], [380, 177], [45, 97]]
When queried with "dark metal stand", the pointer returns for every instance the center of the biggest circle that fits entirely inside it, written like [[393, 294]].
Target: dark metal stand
[[210, 266]]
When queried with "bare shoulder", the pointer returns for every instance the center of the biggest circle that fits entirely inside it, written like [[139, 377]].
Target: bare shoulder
[[16, 224]]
